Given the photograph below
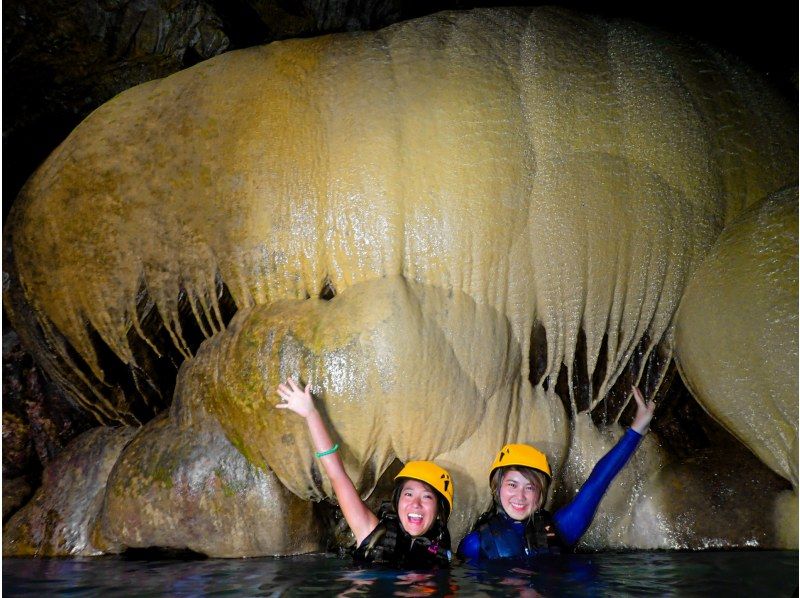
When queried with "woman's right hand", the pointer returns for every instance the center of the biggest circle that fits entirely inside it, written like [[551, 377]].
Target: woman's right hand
[[295, 399], [357, 514]]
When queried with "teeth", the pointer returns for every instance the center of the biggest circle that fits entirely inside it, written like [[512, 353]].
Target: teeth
[[415, 517]]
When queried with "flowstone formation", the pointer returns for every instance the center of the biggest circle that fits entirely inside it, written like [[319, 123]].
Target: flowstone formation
[[736, 338], [464, 230], [180, 484]]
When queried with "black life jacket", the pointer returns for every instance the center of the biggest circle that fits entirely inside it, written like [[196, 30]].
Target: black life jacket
[[389, 544], [499, 540]]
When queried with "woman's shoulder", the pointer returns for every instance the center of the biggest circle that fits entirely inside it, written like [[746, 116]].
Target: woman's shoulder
[[470, 546]]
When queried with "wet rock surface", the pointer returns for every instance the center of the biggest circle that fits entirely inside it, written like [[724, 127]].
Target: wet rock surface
[[177, 484], [720, 497], [59, 519], [181, 485], [38, 422], [737, 335], [221, 228], [16, 492]]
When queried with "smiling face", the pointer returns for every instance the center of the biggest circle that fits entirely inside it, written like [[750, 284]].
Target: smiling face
[[417, 507], [519, 496]]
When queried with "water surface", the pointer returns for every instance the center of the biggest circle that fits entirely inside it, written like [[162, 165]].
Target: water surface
[[751, 573]]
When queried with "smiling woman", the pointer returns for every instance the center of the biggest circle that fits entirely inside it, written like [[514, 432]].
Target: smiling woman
[[516, 527], [412, 532], [416, 507]]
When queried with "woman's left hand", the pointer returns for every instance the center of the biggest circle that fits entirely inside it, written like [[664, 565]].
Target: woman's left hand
[[644, 413]]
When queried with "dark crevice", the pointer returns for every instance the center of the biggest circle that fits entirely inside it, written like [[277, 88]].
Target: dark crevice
[[683, 427], [608, 410], [77, 381], [600, 368], [328, 292], [581, 384], [191, 58], [657, 362], [580, 375], [585, 388], [384, 486], [121, 389], [336, 532], [227, 306], [242, 24], [681, 424], [538, 356], [145, 387], [562, 390]]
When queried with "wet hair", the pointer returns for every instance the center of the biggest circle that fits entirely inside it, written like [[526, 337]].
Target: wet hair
[[442, 507], [535, 477]]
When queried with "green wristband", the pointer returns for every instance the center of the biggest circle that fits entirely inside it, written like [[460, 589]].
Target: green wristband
[[330, 451]]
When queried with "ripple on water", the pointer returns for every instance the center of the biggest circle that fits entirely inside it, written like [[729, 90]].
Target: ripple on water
[[753, 573]]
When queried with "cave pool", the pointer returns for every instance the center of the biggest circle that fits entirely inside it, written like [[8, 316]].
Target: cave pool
[[641, 573]]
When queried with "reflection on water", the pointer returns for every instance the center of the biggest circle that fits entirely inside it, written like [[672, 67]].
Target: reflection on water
[[606, 574]]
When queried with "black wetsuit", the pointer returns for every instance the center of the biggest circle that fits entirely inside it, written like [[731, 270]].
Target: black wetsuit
[[389, 544]]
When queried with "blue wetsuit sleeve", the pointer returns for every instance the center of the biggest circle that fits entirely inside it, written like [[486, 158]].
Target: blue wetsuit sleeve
[[573, 519], [470, 547]]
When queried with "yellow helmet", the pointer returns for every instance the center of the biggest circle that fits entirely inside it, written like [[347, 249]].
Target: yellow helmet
[[523, 455], [433, 475]]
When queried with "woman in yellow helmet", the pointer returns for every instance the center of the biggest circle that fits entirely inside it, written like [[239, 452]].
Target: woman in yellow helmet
[[413, 532], [516, 526]]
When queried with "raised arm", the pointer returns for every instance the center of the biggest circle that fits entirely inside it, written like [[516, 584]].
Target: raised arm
[[358, 516], [573, 519]]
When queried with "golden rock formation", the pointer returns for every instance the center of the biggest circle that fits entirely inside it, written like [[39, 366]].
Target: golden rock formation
[[736, 335], [454, 182]]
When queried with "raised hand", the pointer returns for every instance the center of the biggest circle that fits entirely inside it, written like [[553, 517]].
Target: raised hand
[[296, 399], [644, 413], [358, 516]]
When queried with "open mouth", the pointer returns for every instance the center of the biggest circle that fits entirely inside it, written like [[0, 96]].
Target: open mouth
[[414, 518]]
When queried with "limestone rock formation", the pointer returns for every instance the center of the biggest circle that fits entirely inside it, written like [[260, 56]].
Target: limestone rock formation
[[464, 230], [736, 332], [60, 518], [713, 499], [38, 422], [736, 335], [63, 59], [180, 484], [359, 351]]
